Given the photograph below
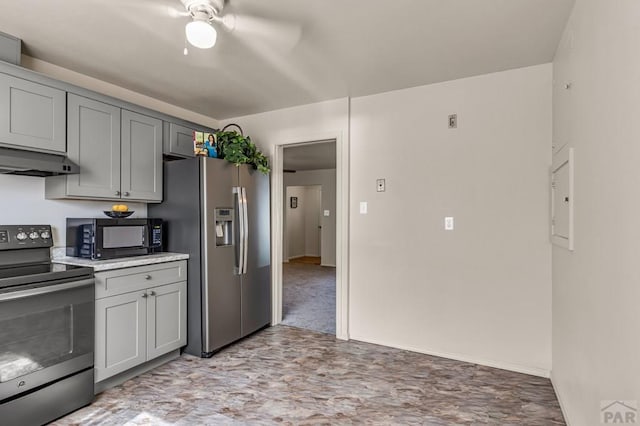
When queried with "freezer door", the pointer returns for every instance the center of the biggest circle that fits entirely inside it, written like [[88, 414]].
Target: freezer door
[[256, 281], [221, 315]]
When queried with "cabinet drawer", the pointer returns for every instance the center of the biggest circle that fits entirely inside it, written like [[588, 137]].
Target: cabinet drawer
[[119, 281]]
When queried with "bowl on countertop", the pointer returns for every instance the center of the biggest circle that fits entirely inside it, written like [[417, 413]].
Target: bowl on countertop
[[118, 215]]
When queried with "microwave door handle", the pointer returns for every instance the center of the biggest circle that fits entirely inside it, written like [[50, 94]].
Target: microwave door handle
[[240, 226], [246, 230]]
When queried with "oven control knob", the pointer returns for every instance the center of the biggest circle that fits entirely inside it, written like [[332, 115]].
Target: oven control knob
[[34, 235], [21, 236], [45, 235]]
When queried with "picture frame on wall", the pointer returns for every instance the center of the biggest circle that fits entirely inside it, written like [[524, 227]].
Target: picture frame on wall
[[293, 202]]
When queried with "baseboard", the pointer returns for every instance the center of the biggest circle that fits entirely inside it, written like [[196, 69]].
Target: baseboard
[[118, 379], [560, 402], [532, 371], [296, 257], [311, 255], [327, 265]]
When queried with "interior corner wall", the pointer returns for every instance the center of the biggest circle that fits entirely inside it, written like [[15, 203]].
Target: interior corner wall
[[596, 288], [327, 180], [479, 293]]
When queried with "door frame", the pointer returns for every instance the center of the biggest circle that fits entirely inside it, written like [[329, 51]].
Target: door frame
[[342, 227]]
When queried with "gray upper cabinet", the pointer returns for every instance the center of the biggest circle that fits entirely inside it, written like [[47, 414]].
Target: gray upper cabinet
[[141, 171], [119, 153], [93, 144], [178, 140], [32, 115]]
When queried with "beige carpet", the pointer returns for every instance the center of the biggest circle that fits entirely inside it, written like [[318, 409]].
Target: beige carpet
[[309, 297]]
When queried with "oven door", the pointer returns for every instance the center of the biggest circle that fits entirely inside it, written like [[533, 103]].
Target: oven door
[[46, 334]]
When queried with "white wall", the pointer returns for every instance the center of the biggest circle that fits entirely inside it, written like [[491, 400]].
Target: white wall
[[482, 292], [23, 203], [327, 181], [596, 288]]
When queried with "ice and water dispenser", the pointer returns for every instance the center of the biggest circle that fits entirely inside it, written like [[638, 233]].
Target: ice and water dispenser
[[224, 226]]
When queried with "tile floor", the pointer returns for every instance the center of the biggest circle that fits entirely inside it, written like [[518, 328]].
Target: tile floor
[[293, 376]]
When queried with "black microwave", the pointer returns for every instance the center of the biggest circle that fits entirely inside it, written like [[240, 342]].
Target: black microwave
[[112, 238]]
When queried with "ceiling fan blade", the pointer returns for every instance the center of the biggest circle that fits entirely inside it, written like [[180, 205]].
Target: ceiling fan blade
[[279, 34]]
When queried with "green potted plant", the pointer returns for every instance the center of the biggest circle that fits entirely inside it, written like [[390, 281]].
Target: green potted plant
[[238, 149]]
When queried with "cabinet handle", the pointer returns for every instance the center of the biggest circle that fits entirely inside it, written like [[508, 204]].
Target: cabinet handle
[[153, 293], [126, 194], [147, 277], [118, 193], [145, 295]]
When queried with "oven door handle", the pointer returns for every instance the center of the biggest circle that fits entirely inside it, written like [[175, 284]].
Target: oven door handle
[[46, 289]]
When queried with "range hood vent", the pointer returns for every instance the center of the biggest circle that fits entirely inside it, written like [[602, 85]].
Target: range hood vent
[[27, 163]]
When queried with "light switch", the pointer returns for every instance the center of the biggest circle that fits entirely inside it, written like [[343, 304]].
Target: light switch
[[363, 207], [327, 213], [448, 223]]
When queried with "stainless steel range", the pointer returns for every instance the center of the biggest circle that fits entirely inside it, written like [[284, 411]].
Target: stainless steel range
[[46, 329]]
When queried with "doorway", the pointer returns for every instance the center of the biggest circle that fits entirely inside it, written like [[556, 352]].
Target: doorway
[[341, 243], [308, 284], [308, 292]]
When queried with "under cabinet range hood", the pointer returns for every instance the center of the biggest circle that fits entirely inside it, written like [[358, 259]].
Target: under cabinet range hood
[[28, 163]]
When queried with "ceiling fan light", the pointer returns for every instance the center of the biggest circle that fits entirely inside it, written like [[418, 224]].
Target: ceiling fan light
[[201, 34]]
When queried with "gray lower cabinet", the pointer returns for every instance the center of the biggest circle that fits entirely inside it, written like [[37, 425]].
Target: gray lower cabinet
[[32, 115], [119, 153], [137, 321]]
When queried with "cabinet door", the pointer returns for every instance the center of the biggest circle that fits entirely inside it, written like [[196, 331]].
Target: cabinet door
[[121, 326], [166, 319], [179, 140], [93, 144], [32, 116], [141, 157]]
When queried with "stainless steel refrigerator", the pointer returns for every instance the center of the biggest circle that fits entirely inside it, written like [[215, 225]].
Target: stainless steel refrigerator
[[219, 214]]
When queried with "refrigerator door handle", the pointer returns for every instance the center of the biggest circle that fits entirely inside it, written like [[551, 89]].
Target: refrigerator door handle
[[246, 230], [238, 269]]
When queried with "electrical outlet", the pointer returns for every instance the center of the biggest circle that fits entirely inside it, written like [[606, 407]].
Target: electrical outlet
[[327, 213], [448, 223], [453, 121], [380, 185]]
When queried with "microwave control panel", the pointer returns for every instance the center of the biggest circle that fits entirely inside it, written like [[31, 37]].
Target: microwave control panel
[[156, 236]]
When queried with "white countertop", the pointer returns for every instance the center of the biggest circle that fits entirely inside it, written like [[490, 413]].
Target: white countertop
[[123, 262]]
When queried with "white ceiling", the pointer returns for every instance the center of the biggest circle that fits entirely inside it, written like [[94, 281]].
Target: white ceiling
[[312, 156], [344, 48]]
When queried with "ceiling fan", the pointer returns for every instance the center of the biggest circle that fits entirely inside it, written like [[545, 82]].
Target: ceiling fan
[[207, 15], [200, 31]]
